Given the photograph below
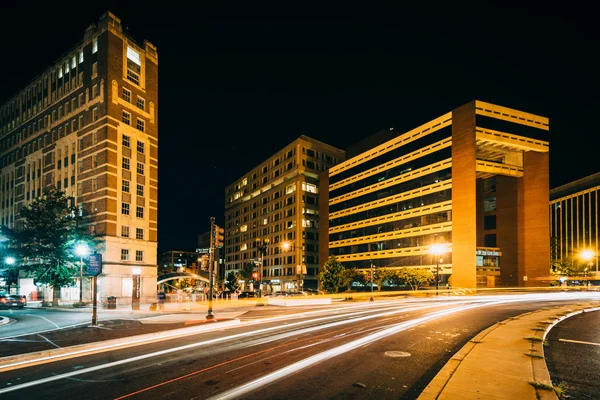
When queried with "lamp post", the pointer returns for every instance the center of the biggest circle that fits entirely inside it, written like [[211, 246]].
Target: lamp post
[[372, 273], [81, 250], [300, 267], [587, 256], [436, 250]]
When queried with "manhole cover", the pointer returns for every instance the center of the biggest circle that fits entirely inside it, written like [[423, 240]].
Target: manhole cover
[[397, 354]]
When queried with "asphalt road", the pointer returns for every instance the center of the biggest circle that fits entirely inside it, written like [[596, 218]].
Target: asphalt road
[[573, 355], [381, 350], [39, 320]]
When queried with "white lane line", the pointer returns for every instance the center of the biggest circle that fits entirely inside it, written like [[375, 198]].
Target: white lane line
[[39, 316], [578, 342], [44, 331], [49, 341]]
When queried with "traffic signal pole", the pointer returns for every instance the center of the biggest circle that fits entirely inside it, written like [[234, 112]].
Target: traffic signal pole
[[216, 241]]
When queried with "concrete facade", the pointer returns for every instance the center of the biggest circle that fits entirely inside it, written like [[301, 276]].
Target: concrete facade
[[474, 181]]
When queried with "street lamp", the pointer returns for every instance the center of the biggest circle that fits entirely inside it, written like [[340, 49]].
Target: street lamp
[[9, 260], [436, 250], [300, 267], [81, 250], [587, 256]]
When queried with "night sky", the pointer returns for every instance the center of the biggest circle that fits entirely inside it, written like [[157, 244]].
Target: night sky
[[237, 85]]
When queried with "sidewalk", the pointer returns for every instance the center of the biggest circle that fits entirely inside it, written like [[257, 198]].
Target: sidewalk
[[504, 361]]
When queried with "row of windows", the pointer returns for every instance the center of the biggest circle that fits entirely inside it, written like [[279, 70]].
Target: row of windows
[[140, 123], [126, 185], [139, 232], [126, 141], [139, 255], [393, 154], [125, 210], [140, 102], [36, 98], [126, 165]]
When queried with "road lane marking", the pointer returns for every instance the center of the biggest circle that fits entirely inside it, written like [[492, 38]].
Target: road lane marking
[[578, 342], [49, 341], [39, 316]]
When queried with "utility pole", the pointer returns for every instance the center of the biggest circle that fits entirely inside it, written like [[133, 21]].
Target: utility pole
[[211, 252], [216, 240]]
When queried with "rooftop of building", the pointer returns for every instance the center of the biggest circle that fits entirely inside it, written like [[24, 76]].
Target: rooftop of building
[[579, 185], [301, 137]]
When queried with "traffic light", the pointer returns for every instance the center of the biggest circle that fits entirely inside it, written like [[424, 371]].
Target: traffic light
[[219, 236]]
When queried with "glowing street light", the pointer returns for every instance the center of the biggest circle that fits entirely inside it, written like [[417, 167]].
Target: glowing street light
[[81, 250], [286, 246], [587, 255], [436, 250], [9, 260]]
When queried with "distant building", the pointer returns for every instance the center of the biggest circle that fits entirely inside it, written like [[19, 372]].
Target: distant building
[[88, 126], [574, 218], [274, 207], [181, 261], [474, 180]]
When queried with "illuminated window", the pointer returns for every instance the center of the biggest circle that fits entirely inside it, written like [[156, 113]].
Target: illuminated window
[[95, 46], [124, 231], [245, 182], [60, 72], [290, 189], [307, 187], [80, 57], [133, 65], [243, 228], [244, 247], [74, 62], [265, 221]]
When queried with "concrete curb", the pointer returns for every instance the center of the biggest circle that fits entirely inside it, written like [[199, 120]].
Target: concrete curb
[[494, 340], [4, 320], [47, 356]]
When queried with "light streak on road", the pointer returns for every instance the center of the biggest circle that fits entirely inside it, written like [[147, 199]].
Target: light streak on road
[[209, 342]]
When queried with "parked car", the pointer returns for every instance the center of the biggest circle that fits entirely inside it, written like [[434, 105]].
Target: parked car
[[314, 292], [247, 295], [297, 294], [12, 301]]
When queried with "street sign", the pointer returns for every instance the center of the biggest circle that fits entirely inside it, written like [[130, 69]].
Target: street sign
[[95, 264]]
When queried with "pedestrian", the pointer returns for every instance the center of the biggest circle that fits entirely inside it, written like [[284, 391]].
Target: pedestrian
[[161, 300]]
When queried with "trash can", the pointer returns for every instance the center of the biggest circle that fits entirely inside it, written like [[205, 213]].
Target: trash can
[[111, 302]]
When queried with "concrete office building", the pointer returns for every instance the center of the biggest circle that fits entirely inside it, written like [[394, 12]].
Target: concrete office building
[[474, 180], [574, 219], [275, 205], [88, 126]]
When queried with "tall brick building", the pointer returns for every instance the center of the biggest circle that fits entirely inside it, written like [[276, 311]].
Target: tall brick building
[[88, 126], [474, 180]]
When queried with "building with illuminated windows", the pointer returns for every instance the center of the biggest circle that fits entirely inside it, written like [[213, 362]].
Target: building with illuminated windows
[[88, 126], [574, 219], [272, 216], [474, 180]]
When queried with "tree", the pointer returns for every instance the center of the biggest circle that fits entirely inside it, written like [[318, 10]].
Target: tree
[[246, 271], [331, 275], [414, 277], [352, 275], [231, 282], [45, 241]]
